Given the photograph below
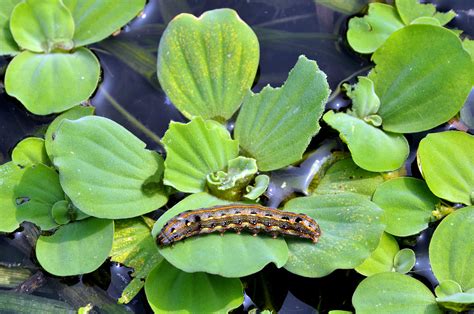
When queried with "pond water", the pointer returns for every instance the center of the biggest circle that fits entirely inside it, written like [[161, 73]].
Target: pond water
[[130, 94]]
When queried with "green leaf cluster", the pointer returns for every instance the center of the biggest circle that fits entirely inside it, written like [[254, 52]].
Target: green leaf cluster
[[52, 71]]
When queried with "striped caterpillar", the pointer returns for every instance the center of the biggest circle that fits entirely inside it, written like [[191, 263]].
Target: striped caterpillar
[[238, 217]]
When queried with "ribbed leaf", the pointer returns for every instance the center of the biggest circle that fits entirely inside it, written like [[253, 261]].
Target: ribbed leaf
[[276, 125], [8, 46], [207, 65]]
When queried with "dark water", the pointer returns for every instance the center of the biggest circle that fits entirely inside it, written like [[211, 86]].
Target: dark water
[[130, 94]]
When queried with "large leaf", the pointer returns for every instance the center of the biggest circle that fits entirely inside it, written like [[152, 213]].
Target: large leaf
[[447, 162], [394, 293], [411, 10], [408, 205], [351, 228], [426, 87], [195, 150], [135, 247], [96, 20], [207, 65], [345, 176], [106, 170], [42, 25], [367, 33], [170, 290], [36, 194], [29, 152], [230, 255], [451, 251], [72, 114], [276, 125], [372, 149], [76, 248], [10, 176], [47, 83], [8, 46]]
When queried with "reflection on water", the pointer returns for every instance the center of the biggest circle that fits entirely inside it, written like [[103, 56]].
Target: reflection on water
[[130, 94]]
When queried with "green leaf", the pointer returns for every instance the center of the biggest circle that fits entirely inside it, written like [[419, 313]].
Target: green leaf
[[368, 33], [21, 303], [345, 176], [96, 20], [408, 205], [48, 83], [371, 148], [170, 290], [135, 247], [30, 152], [447, 288], [426, 87], [351, 228], [261, 184], [394, 293], [230, 255], [364, 100], [207, 65], [276, 125], [459, 302], [76, 248], [42, 25], [451, 253], [60, 212], [231, 184], [382, 259], [106, 170], [446, 160], [8, 46], [194, 150], [10, 176], [36, 194], [410, 10], [404, 261], [72, 114]]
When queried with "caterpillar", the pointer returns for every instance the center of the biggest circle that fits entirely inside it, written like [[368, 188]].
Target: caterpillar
[[238, 217]]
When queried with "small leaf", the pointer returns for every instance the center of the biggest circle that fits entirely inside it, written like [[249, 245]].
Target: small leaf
[[195, 150], [30, 152], [76, 248], [68, 78], [345, 176], [42, 25], [230, 255], [36, 194], [446, 160], [394, 293], [451, 253], [459, 302], [72, 114], [217, 56], [261, 184], [371, 148], [404, 261], [382, 259], [8, 46], [106, 170], [426, 87], [96, 20], [447, 288], [364, 100], [231, 184], [408, 205], [410, 10], [351, 228], [60, 211], [170, 290], [10, 177], [135, 247], [276, 125], [368, 33]]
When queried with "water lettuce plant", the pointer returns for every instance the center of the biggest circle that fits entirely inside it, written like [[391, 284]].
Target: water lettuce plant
[[93, 188], [52, 71]]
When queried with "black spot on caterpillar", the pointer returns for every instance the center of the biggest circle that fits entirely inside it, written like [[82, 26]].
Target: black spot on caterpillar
[[238, 217]]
